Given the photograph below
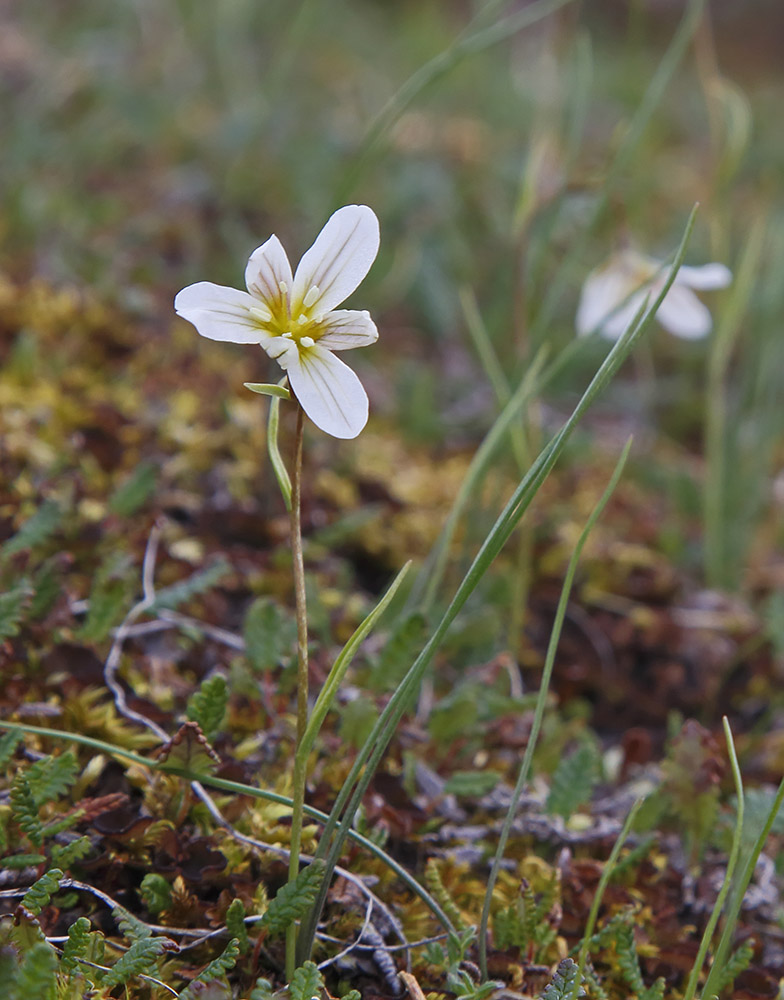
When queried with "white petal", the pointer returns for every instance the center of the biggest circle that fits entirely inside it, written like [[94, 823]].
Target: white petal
[[614, 327], [347, 328], [706, 277], [329, 391], [267, 267], [338, 260], [219, 313], [683, 314], [602, 293]]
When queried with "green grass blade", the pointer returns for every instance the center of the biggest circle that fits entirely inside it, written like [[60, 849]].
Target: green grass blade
[[350, 796], [541, 701], [691, 987]]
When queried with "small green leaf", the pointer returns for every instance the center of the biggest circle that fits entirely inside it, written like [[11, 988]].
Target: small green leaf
[[235, 924], [268, 389], [39, 894], [156, 892], [13, 605], [306, 982], [133, 493], [172, 597], [207, 706], [34, 532], [269, 635], [294, 899], [573, 781]]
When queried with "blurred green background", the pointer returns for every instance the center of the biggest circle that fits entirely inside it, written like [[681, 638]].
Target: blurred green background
[[507, 149]]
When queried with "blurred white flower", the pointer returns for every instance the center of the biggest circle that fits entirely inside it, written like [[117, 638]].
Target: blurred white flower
[[613, 294], [293, 316]]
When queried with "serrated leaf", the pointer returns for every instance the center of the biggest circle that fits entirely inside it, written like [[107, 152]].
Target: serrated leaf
[[189, 749], [155, 892], [46, 589], [269, 634], [25, 810], [217, 968], [50, 777], [130, 926], [13, 604], [235, 924], [77, 944], [399, 652], [140, 958], [562, 986], [35, 979], [207, 706], [65, 855], [184, 591], [132, 494], [573, 781], [40, 892], [106, 608], [306, 982], [34, 532], [293, 899], [8, 743], [263, 990]]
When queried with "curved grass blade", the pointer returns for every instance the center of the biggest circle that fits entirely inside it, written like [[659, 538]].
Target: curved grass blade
[[541, 701]]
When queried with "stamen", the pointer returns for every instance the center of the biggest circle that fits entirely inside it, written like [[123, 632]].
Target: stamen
[[302, 319], [260, 313], [284, 288], [287, 334], [307, 342], [312, 296]]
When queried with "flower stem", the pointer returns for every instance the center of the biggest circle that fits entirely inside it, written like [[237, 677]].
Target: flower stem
[[300, 764]]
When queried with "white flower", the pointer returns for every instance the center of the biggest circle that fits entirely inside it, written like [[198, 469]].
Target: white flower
[[613, 294], [293, 317]]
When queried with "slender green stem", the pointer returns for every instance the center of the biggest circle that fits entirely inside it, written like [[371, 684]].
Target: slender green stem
[[541, 702], [300, 759], [597, 899], [691, 987], [711, 986]]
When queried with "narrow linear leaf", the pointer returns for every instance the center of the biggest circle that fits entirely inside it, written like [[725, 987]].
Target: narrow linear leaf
[[268, 389]]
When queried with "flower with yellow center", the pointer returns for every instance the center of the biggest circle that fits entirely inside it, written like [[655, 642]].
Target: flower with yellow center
[[293, 316], [614, 293]]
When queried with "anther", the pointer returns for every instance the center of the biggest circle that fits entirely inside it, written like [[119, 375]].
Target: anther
[[260, 313], [312, 296], [307, 342]]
